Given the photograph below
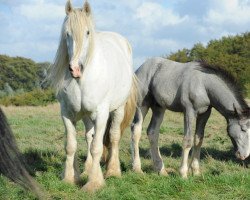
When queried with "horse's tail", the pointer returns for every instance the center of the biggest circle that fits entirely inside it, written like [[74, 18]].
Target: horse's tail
[[12, 165], [129, 112], [130, 105]]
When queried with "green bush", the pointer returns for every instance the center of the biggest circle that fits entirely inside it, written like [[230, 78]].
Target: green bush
[[2, 94], [231, 53], [34, 98]]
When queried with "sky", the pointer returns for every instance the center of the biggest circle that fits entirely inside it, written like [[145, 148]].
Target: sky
[[31, 28]]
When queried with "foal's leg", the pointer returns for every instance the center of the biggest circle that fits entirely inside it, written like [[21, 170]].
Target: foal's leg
[[71, 172], [95, 178], [187, 141], [113, 167], [89, 128], [153, 136], [198, 139], [136, 129]]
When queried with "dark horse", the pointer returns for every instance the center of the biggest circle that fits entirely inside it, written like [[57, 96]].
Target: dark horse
[[12, 165], [192, 88]]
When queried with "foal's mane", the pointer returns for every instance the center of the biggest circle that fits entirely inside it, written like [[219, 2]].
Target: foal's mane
[[230, 81], [75, 22]]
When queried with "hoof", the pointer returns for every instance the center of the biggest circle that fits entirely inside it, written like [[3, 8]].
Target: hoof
[[163, 172], [196, 172], [113, 173], [184, 176], [72, 181], [184, 173], [91, 187], [138, 171]]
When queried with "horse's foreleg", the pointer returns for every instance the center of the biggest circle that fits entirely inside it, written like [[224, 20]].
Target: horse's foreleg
[[71, 172], [187, 141], [89, 128], [113, 167], [198, 139], [136, 129], [95, 178], [153, 136]]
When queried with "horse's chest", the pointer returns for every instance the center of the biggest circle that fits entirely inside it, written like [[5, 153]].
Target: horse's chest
[[70, 97], [92, 97]]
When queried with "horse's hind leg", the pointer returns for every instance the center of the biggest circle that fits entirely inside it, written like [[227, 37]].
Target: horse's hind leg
[[187, 141], [153, 136], [89, 128], [136, 129], [198, 139], [113, 166], [71, 172]]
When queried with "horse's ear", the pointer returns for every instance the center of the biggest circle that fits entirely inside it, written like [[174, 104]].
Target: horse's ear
[[68, 7], [87, 8]]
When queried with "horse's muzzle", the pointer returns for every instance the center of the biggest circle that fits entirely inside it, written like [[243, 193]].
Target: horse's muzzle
[[239, 156], [75, 71]]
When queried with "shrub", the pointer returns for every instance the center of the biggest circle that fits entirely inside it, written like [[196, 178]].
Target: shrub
[[34, 98], [2, 93]]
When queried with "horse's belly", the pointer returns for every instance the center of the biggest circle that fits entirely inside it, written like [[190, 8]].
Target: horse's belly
[[170, 102], [111, 97], [167, 96]]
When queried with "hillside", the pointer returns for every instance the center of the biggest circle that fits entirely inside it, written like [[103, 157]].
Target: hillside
[[20, 73]]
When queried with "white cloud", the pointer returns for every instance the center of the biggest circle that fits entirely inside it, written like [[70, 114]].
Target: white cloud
[[229, 12], [154, 15], [41, 11], [31, 28]]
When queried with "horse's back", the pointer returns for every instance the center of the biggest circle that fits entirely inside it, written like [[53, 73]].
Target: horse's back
[[171, 84], [115, 42]]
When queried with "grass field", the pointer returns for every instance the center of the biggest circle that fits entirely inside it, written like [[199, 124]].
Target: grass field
[[40, 135]]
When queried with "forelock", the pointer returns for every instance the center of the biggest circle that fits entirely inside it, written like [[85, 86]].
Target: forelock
[[76, 23]]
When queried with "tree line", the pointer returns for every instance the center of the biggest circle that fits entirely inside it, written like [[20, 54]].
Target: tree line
[[20, 73], [231, 53], [21, 82], [21, 78]]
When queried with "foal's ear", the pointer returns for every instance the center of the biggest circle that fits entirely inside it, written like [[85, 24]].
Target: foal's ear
[[68, 7], [87, 8]]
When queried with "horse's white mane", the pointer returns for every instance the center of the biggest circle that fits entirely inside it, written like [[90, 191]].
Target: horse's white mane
[[75, 22]]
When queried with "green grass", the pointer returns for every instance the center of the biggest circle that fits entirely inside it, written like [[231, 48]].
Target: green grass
[[40, 135]]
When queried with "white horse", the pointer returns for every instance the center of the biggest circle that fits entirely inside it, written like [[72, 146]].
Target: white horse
[[94, 80]]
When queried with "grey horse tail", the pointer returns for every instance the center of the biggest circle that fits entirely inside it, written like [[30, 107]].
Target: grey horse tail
[[12, 165]]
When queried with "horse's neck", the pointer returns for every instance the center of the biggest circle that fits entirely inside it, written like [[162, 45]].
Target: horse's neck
[[221, 96]]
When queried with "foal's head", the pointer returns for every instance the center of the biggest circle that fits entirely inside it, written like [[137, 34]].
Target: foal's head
[[239, 132], [77, 31]]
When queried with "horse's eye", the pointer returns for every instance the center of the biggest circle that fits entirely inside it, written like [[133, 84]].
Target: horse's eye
[[87, 32]]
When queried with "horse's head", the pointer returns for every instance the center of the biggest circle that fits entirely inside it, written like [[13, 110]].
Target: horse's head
[[239, 132], [77, 31]]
